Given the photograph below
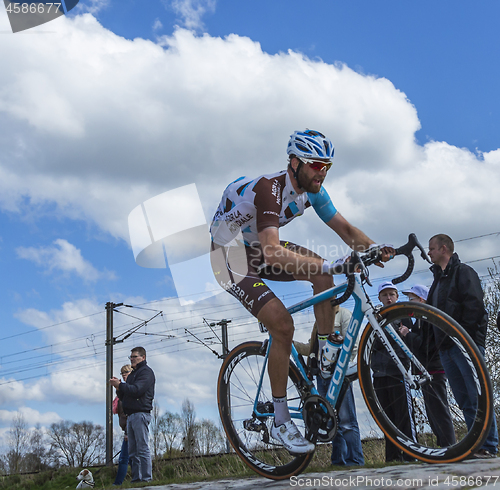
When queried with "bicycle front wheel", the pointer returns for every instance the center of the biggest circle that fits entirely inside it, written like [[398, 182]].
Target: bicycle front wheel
[[439, 430], [249, 434]]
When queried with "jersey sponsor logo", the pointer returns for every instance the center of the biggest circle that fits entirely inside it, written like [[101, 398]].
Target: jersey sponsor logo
[[236, 220], [257, 284], [271, 212], [238, 293], [276, 191], [263, 294]]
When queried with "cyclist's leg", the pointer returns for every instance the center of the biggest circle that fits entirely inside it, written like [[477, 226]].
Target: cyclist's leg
[[235, 268], [323, 312], [280, 325]]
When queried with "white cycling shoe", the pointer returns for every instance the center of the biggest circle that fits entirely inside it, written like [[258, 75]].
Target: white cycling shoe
[[291, 438]]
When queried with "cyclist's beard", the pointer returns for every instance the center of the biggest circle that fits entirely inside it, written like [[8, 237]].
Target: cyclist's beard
[[310, 184]]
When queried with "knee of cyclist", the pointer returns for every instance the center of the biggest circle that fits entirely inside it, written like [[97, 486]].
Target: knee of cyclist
[[322, 282], [283, 332]]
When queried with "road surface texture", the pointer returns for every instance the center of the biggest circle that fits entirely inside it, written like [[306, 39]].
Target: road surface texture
[[484, 474]]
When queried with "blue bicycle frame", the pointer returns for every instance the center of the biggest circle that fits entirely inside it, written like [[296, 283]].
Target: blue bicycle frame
[[362, 308]]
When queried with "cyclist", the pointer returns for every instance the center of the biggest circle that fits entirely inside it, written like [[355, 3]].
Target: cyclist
[[246, 248]]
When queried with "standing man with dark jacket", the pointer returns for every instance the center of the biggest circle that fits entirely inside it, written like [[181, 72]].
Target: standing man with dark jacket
[[457, 291], [137, 396]]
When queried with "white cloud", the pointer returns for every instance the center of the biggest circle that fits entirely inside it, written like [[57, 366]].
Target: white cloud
[[31, 416], [157, 25], [82, 317], [19, 392], [92, 6], [104, 137], [203, 109], [192, 11], [65, 257]]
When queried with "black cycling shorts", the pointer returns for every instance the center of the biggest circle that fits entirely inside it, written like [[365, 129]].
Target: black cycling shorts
[[240, 270]]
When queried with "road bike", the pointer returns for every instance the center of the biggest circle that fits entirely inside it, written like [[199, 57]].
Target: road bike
[[244, 393]]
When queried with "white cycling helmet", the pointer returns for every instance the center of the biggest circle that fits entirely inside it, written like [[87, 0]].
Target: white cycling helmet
[[310, 144]]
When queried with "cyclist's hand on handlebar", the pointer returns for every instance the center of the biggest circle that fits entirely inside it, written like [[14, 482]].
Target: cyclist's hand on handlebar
[[387, 252]]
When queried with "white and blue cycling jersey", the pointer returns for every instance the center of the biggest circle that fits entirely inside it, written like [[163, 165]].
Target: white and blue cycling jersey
[[251, 205]]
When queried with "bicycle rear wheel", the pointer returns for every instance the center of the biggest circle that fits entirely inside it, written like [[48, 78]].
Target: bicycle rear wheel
[[424, 443], [249, 435]]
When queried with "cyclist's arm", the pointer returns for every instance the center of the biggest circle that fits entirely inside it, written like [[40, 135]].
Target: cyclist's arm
[[351, 235], [276, 254], [355, 238]]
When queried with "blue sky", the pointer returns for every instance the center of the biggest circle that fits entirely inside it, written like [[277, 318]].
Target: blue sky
[[122, 101]]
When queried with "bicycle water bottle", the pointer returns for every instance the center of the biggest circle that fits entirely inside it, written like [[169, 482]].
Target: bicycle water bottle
[[331, 350]]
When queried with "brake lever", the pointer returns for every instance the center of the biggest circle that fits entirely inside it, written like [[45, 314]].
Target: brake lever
[[355, 257], [422, 251]]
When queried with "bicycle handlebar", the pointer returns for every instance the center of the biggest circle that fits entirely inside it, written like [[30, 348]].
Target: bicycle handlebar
[[371, 257]]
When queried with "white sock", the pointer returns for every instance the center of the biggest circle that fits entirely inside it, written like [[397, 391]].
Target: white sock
[[321, 341], [281, 413]]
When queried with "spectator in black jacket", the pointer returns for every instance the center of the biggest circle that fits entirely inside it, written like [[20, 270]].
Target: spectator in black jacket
[[456, 290], [137, 396]]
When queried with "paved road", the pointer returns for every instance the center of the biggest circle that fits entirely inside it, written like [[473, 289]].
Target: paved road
[[483, 474]]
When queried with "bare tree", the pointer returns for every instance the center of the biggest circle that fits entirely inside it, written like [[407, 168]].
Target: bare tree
[[492, 357], [170, 429], [209, 438], [188, 425], [18, 442], [37, 457], [63, 444], [157, 441], [77, 444]]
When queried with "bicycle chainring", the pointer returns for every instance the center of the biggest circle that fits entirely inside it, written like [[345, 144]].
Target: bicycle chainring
[[320, 419]]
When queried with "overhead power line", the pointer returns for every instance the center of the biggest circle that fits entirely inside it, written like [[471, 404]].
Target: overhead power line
[[175, 337]]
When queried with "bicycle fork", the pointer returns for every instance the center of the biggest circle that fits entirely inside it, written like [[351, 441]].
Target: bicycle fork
[[379, 329]]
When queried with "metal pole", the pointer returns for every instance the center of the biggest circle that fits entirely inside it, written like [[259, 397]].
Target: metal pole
[[225, 352], [225, 344], [109, 388]]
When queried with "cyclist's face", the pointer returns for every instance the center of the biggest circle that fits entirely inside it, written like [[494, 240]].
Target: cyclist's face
[[388, 296], [311, 179]]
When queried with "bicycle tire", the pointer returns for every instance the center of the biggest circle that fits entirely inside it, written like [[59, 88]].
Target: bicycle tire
[[424, 445], [236, 392]]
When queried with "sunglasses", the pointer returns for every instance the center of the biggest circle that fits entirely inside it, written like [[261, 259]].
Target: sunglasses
[[317, 164]]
